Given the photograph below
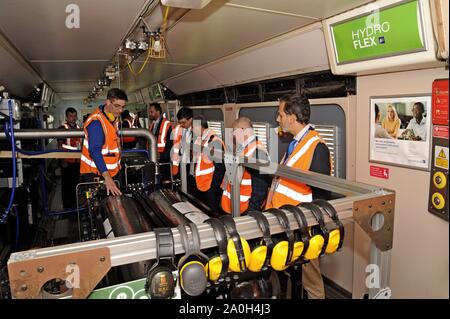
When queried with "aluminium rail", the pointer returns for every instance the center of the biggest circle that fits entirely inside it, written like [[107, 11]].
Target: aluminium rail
[[36, 134]]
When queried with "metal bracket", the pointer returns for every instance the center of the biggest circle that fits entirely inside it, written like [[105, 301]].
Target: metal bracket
[[365, 210], [385, 293], [231, 166], [83, 270]]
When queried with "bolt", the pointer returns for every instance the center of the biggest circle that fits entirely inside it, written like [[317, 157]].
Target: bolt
[[40, 269], [389, 229], [370, 206], [383, 203], [389, 211], [23, 287], [102, 258]]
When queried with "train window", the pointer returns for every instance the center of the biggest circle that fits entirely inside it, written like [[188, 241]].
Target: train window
[[261, 130], [214, 117], [218, 127], [329, 120]]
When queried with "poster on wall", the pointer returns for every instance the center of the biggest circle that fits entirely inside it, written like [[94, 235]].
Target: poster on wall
[[400, 131]]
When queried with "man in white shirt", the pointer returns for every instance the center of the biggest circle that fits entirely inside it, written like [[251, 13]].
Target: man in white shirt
[[418, 124], [185, 116]]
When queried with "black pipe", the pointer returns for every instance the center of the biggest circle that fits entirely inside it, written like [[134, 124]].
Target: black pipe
[[126, 219]]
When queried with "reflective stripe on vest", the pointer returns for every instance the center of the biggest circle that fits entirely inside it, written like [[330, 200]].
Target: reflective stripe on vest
[[176, 136], [71, 144], [286, 191], [246, 182], [204, 170], [110, 148], [162, 133], [129, 139]]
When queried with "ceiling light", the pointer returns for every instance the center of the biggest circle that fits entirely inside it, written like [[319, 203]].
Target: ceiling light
[[143, 45], [129, 44], [157, 45]]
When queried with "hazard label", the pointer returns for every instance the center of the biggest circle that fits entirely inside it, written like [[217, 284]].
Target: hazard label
[[441, 157]]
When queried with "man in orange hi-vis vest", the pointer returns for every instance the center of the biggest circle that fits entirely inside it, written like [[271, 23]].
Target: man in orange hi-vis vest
[[70, 167], [254, 185], [307, 151], [208, 171], [162, 129], [101, 153], [128, 142]]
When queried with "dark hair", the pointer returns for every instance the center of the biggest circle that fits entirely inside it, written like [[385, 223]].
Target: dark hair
[[185, 113], [377, 111], [157, 107], [70, 110], [125, 114], [297, 105], [202, 119], [420, 104], [116, 94]]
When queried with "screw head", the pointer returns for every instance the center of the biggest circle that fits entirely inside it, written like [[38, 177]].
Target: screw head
[[23, 287], [102, 258], [40, 269]]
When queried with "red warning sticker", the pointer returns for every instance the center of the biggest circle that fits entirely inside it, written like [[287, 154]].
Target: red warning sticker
[[380, 172], [440, 131]]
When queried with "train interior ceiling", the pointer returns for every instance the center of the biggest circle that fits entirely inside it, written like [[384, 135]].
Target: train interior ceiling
[[224, 59]]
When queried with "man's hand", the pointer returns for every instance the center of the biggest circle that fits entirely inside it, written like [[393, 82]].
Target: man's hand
[[111, 187]]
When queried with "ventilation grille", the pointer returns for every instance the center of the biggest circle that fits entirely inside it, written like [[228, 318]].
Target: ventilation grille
[[329, 135]]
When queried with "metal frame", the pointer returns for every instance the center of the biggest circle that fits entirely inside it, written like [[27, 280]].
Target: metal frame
[[36, 134], [29, 270]]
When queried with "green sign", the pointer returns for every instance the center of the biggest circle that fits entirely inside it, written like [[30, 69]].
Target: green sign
[[155, 93], [390, 31], [130, 290]]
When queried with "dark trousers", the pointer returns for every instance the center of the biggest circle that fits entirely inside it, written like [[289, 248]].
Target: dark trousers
[[69, 180], [212, 198]]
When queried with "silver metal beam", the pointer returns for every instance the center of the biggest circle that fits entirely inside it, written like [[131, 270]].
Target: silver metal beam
[[135, 248], [35, 134], [331, 183]]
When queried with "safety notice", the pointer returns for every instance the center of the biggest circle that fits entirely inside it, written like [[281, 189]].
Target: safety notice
[[380, 172], [441, 157]]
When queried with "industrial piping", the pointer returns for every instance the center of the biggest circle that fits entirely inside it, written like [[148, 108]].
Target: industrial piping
[[33, 134]]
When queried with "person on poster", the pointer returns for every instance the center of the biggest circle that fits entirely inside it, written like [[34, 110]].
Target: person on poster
[[391, 122], [418, 124], [380, 132]]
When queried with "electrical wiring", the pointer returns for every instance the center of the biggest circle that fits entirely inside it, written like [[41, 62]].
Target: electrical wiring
[[163, 29], [14, 164]]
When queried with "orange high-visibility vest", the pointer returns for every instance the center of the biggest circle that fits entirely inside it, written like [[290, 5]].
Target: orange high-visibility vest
[[285, 191], [129, 139], [71, 144], [110, 148], [246, 182], [204, 168], [162, 133], [177, 135]]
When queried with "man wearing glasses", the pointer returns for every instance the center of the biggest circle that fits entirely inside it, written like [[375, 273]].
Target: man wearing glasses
[[101, 154]]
